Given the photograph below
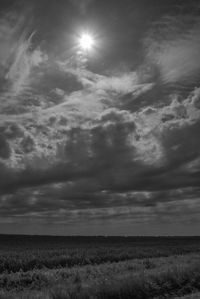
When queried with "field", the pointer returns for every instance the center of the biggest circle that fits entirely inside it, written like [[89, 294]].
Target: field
[[99, 267]]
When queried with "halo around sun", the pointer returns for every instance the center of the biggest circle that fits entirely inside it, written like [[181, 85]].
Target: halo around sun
[[86, 42]]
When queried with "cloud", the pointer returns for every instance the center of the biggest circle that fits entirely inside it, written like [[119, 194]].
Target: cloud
[[173, 45], [16, 56], [78, 145], [73, 205], [4, 148], [119, 165], [82, 5], [120, 84], [118, 150], [22, 64]]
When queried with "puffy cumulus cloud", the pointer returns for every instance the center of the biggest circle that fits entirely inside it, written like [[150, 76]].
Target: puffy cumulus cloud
[[173, 44], [114, 149]]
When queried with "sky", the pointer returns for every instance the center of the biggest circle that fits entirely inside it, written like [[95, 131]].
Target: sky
[[103, 142]]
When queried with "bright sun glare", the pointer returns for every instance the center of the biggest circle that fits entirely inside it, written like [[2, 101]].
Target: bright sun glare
[[86, 42]]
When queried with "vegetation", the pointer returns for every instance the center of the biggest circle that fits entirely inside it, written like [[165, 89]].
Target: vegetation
[[110, 268]]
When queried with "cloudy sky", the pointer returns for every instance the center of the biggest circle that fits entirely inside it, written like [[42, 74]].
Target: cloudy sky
[[103, 142]]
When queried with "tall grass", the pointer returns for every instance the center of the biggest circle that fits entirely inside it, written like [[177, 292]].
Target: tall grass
[[163, 284], [109, 279]]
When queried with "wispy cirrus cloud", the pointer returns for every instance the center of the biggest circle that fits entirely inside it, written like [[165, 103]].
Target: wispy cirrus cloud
[[173, 45], [16, 56]]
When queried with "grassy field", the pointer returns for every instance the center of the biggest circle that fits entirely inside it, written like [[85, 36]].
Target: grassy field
[[99, 267]]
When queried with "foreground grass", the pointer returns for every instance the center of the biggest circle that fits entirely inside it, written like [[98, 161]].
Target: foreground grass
[[91, 274], [138, 279], [166, 284], [99, 268]]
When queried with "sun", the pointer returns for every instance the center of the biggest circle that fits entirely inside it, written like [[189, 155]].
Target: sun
[[86, 42]]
